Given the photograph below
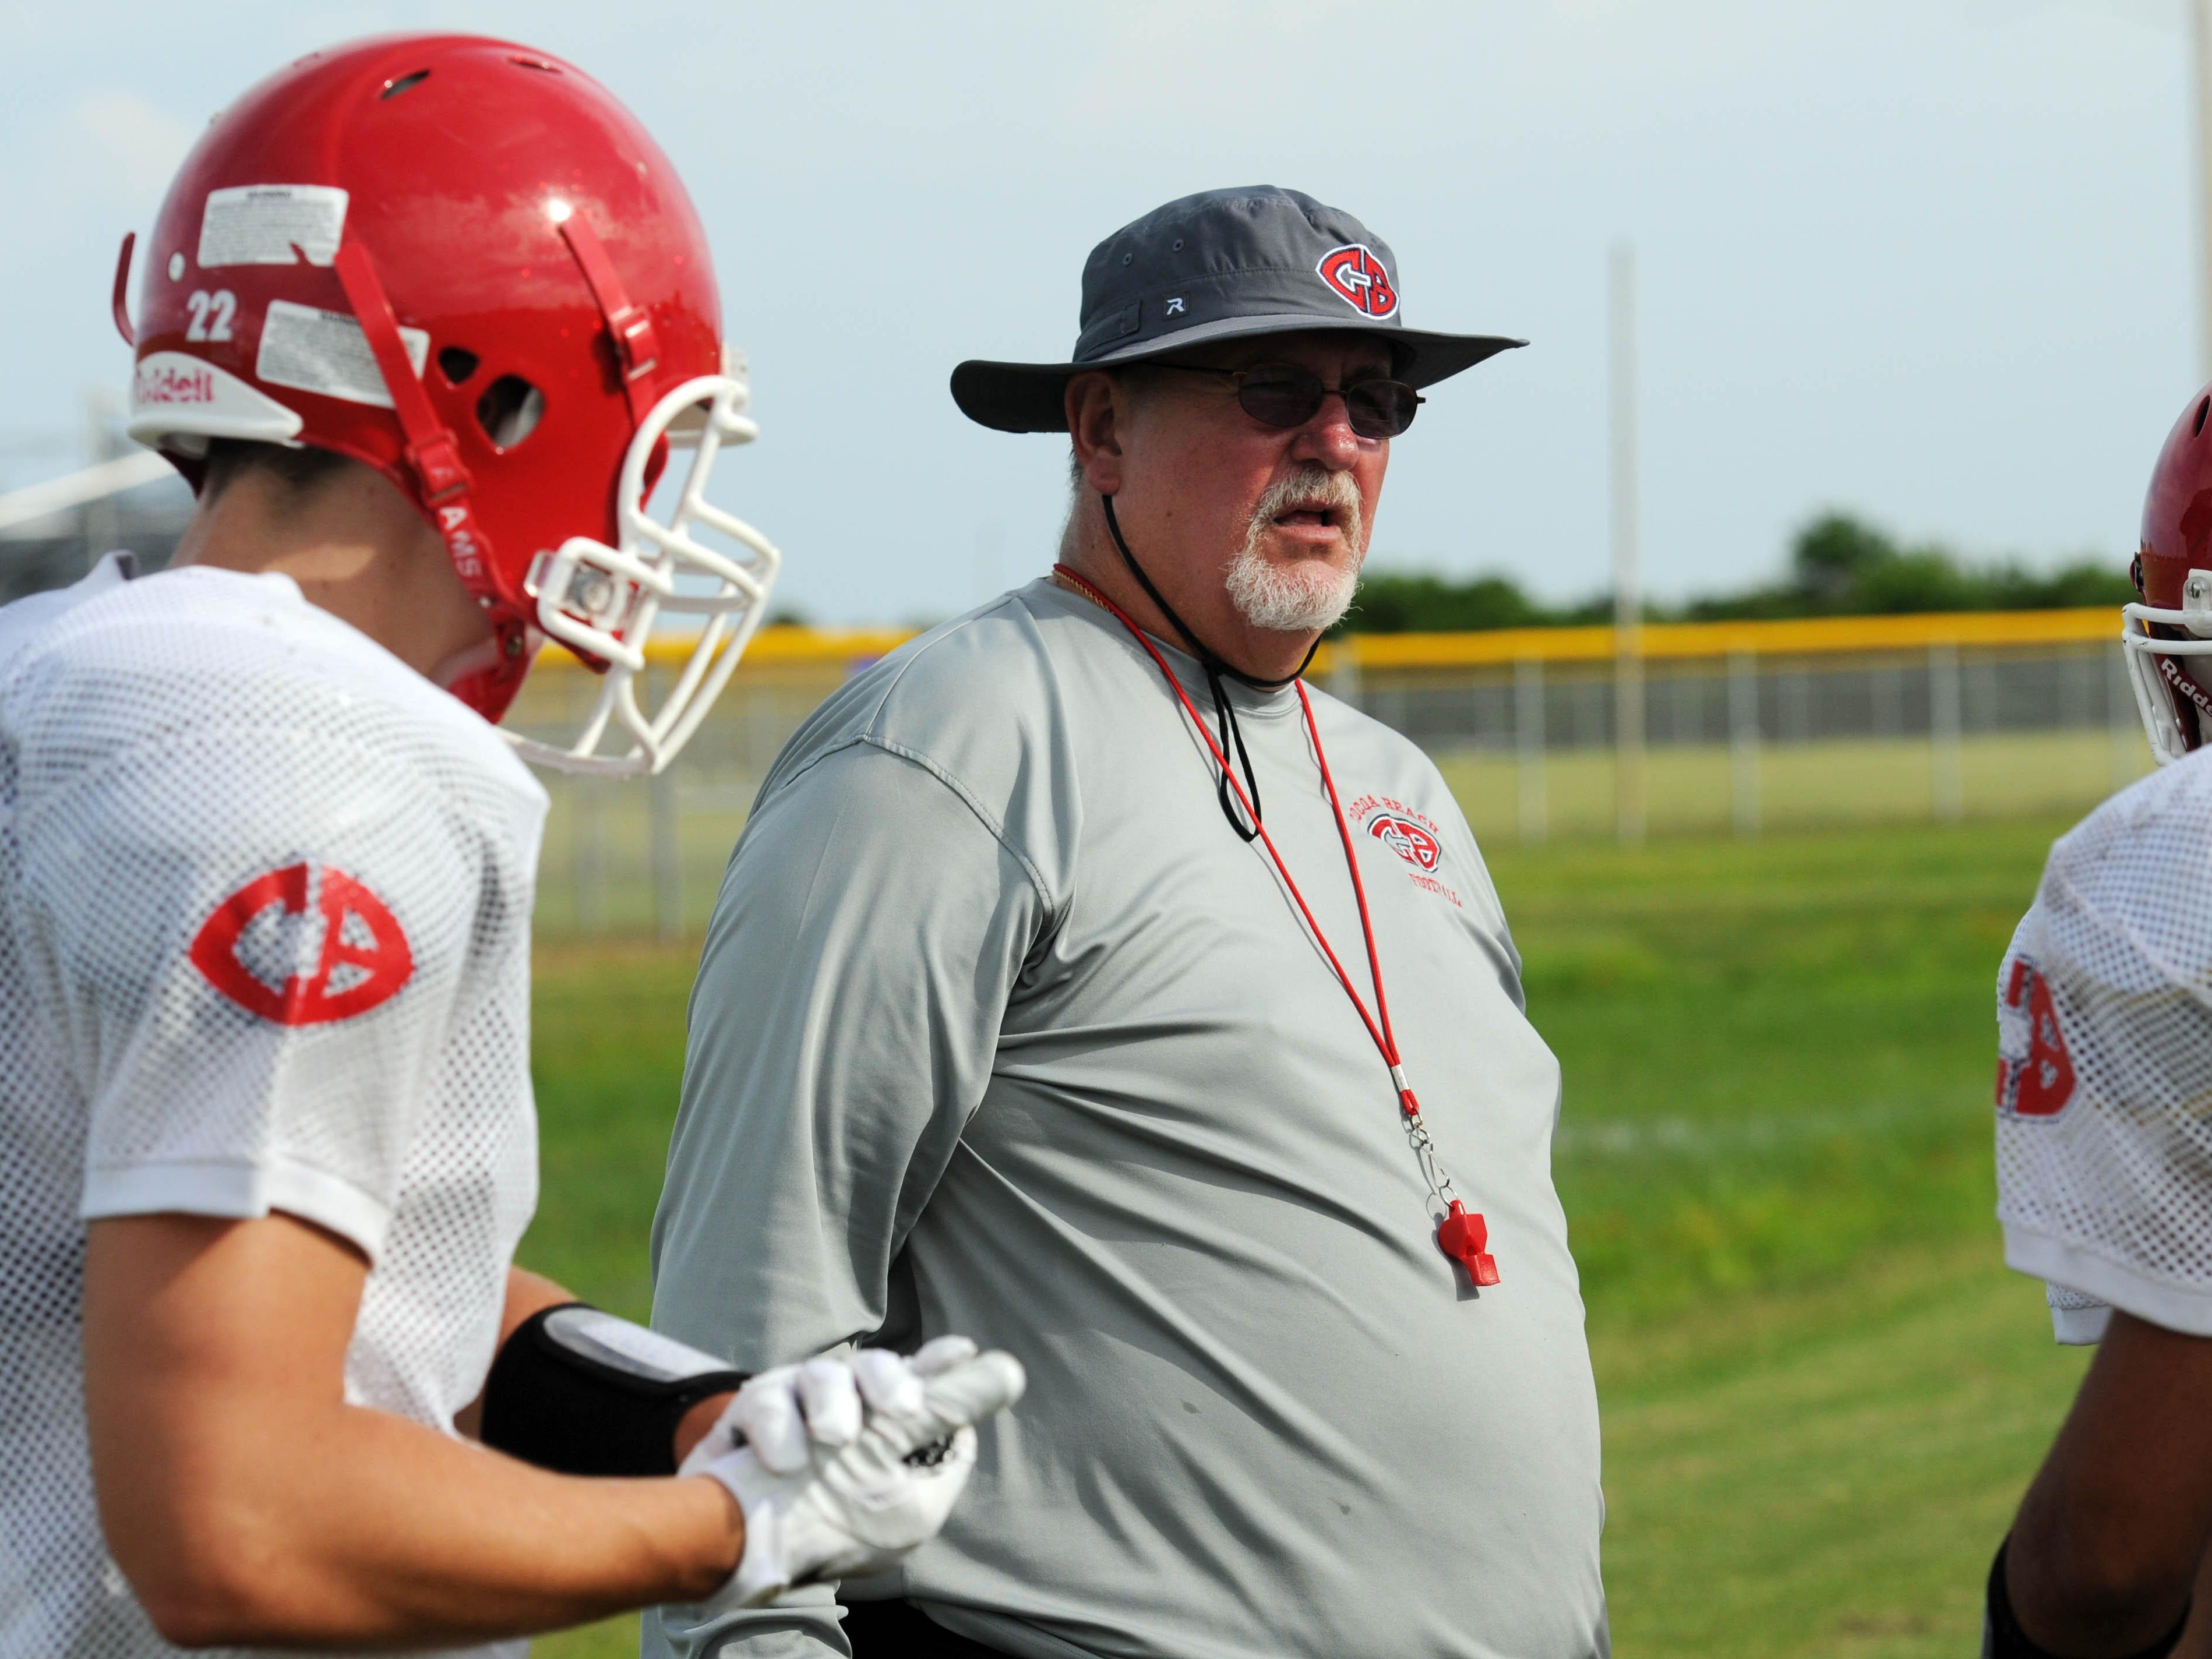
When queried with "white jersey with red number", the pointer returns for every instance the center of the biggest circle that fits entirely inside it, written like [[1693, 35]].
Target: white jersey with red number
[[2104, 1064], [264, 919]]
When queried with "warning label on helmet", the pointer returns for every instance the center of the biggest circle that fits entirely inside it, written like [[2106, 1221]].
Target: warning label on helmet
[[314, 351], [262, 224]]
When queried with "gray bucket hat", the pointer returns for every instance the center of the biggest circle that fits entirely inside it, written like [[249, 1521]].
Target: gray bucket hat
[[1219, 265]]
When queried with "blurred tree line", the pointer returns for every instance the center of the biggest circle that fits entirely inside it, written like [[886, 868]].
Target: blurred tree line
[[1840, 566]]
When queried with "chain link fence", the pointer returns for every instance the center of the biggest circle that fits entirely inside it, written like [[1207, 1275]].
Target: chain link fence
[[1739, 741], [1744, 727]]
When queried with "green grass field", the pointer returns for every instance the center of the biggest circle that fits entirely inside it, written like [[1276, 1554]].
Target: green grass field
[[1822, 1394]]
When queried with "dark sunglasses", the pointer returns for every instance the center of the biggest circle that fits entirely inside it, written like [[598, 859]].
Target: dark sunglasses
[[1283, 394]]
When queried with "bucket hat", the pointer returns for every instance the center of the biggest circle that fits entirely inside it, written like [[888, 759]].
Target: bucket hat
[[1222, 264]]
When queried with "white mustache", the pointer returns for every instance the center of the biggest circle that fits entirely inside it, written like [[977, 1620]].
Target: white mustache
[[1305, 595], [1313, 487]]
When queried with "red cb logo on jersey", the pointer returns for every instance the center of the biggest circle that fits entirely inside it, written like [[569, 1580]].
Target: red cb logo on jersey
[[1409, 839], [2042, 1085], [1356, 276], [363, 961]]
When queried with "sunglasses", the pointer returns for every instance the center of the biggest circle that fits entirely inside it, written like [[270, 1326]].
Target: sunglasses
[[1283, 394]]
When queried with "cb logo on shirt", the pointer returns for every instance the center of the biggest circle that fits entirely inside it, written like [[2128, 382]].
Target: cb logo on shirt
[[1410, 841], [2042, 1085], [245, 948]]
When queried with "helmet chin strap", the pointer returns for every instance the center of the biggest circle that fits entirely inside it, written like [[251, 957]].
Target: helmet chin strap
[[486, 679], [1225, 710], [442, 488], [486, 657]]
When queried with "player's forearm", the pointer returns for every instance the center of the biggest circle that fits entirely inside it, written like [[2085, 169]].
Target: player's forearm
[[2109, 1538], [431, 1539], [2087, 1590], [248, 1503]]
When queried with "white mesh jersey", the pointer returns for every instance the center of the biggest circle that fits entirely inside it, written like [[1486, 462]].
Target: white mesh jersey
[[265, 917], [2103, 1135]]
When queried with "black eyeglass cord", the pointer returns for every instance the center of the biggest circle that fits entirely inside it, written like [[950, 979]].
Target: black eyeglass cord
[[1224, 711]]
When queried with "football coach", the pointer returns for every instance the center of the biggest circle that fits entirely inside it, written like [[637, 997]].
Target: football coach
[[1086, 980]]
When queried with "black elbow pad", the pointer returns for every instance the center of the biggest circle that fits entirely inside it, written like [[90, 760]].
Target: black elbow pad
[[581, 1392]]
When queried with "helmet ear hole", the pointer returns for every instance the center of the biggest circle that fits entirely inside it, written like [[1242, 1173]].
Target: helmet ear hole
[[456, 363], [509, 411], [2203, 409]]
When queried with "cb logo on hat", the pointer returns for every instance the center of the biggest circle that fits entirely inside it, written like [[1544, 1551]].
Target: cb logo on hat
[[1356, 276]]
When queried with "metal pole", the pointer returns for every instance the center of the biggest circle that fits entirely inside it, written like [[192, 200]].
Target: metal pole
[[1528, 746], [1946, 790], [100, 522], [667, 869], [1888, 695], [1743, 740], [2077, 683], [1627, 575], [59, 495], [2200, 63], [990, 539], [588, 825], [1798, 705], [588, 816], [763, 732], [1344, 671], [2123, 720]]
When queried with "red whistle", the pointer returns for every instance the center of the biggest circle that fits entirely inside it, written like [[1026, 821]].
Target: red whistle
[[1462, 1236]]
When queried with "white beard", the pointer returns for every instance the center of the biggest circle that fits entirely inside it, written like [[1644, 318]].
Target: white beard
[[1304, 596]]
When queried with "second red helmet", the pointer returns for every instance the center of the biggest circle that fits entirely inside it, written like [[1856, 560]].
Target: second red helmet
[[2168, 631]]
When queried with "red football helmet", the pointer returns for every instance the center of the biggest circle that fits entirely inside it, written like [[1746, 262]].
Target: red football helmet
[[462, 263], [2168, 635]]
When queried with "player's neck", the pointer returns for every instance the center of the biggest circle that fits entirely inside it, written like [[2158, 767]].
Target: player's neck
[[356, 549]]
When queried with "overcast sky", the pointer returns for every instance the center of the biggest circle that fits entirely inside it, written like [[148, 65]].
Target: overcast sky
[[1927, 260]]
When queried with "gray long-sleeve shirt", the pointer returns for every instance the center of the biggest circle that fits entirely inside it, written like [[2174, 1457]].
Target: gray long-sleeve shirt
[[1001, 1029]]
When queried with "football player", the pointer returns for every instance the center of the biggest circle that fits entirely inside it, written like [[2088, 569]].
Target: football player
[[2105, 1140], [423, 319]]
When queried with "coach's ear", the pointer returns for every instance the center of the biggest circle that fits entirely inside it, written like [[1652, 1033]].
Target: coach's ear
[[1097, 404]]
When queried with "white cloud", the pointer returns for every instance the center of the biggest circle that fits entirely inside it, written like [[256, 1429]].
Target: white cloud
[[139, 145]]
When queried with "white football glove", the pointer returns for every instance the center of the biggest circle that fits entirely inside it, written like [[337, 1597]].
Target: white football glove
[[842, 1465]]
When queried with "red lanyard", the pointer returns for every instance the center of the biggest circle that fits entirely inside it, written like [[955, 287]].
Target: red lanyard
[[1463, 1235]]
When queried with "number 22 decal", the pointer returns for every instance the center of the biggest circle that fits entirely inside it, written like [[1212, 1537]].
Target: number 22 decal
[[211, 313]]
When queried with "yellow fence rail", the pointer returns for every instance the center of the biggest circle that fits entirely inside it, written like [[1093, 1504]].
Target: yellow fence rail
[[1804, 636], [824, 648], [1810, 723]]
